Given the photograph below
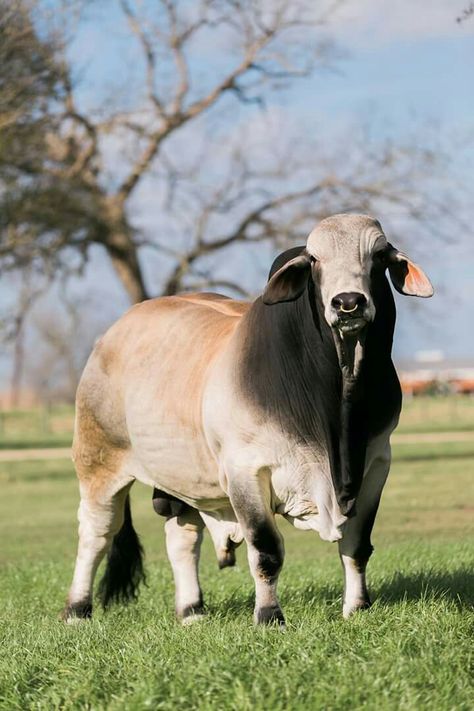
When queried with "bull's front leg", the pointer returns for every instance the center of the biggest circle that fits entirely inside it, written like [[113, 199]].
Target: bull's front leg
[[355, 547], [251, 500]]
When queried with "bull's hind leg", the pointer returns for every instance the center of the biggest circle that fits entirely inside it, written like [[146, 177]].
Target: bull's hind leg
[[183, 544], [101, 517]]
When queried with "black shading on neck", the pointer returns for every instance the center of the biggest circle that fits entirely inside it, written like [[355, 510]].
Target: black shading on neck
[[290, 370]]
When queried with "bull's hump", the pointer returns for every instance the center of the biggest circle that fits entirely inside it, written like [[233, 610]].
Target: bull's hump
[[216, 302], [173, 305]]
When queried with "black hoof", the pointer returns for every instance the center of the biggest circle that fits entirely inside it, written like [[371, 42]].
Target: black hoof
[[191, 613], [269, 616], [77, 611]]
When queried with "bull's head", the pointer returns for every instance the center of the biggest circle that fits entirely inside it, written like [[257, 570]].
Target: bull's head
[[341, 255]]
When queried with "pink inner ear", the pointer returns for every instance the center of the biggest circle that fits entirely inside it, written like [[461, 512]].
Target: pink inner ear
[[416, 281]]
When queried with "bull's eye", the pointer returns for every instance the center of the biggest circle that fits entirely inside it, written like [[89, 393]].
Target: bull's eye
[[312, 259]]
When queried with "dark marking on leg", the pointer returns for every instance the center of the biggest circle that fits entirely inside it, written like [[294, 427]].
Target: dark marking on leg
[[356, 541], [270, 554]]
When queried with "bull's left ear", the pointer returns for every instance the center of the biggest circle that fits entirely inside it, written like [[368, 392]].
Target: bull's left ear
[[289, 281], [407, 277]]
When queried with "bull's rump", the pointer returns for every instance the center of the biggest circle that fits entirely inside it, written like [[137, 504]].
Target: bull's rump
[[144, 384]]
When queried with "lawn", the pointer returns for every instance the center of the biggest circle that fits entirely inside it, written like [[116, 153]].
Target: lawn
[[437, 413], [412, 650], [52, 427], [40, 427]]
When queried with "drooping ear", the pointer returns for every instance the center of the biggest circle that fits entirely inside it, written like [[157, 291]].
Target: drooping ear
[[289, 281], [407, 277]]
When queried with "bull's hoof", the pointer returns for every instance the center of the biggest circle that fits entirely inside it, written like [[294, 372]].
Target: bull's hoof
[[269, 616], [349, 608], [193, 619], [191, 614], [76, 612]]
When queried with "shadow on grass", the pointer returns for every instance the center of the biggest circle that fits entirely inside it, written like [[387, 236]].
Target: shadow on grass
[[231, 605], [456, 586]]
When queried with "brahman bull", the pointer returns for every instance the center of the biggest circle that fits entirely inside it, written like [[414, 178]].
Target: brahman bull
[[237, 411]]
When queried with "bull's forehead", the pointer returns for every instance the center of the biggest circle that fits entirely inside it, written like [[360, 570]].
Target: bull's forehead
[[344, 236]]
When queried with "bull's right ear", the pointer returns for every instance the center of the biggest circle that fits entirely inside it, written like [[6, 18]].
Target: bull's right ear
[[289, 281], [407, 277]]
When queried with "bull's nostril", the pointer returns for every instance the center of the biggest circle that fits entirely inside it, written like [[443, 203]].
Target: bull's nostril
[[349, 301]]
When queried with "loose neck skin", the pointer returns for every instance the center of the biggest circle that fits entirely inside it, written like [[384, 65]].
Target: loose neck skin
[[350, 352]]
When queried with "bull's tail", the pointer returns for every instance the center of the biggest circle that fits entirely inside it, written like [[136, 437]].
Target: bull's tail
[[124, 571]]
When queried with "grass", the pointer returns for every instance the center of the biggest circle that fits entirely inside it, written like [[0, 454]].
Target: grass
[[42, 427], [437, 414], [412, 650], [28, 429]]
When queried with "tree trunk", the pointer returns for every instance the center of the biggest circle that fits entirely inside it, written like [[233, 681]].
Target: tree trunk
[[117, 238], [18, 364], [124, 258]]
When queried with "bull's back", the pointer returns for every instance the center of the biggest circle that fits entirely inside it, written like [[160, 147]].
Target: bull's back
[[144, 385]]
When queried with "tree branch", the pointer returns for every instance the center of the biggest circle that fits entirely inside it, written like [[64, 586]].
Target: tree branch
[[149, 54]]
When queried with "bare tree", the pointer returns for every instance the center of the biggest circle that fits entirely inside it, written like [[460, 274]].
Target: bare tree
[[14, 332], [467, 13], [175, 131], [265, 44], [62, 337]]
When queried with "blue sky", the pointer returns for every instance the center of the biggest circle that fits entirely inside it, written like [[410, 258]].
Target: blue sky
[[406, 69]]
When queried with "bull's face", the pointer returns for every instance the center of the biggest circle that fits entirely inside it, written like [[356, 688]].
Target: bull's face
[[341, 255]]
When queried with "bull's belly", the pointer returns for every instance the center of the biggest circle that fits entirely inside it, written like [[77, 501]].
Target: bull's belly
[[178, 461]]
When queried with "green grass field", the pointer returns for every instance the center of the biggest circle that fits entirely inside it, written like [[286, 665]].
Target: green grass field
[[52, 427], [413, 650]]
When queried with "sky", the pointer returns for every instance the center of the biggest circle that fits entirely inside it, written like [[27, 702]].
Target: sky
[[405, 68]]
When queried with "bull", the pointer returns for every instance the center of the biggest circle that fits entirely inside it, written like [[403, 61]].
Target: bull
[[234, 412]]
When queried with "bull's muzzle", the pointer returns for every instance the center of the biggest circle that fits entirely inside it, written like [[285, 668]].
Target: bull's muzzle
[[350, 308]]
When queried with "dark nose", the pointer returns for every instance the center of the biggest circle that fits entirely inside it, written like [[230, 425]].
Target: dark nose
[[349, 301]]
